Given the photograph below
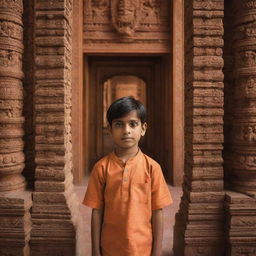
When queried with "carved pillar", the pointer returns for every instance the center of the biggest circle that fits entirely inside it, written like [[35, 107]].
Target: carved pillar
[[11, 96], [240, 160], [242, 164], [199, 227], [55, 207], [14, 202]]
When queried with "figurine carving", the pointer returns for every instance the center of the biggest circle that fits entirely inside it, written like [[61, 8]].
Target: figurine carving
[[125, 15]]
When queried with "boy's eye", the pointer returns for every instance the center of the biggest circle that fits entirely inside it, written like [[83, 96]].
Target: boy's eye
[[133, 124], [118, 124]]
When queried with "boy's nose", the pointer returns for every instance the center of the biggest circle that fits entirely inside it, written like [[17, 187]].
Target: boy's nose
[[127, 129]]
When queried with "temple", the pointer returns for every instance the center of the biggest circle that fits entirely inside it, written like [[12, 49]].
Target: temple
[[191, 62]]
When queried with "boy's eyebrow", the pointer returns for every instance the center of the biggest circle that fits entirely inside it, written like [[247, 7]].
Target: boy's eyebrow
[[120, 120]]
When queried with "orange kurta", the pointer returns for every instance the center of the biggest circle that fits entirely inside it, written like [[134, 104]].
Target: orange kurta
[[128, 193]]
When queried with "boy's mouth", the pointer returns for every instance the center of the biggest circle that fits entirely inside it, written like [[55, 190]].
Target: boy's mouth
[[127, 138]]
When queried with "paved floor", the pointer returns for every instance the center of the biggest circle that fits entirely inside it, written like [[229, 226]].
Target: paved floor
[[169, 214]]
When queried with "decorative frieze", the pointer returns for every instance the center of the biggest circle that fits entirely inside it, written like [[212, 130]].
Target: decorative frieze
[[199, 223], [127, 25]]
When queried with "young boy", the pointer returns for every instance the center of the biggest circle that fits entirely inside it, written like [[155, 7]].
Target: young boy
[[127, 190]]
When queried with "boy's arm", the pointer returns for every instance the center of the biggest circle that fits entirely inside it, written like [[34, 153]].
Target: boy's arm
[[157, 228], [96, 224]]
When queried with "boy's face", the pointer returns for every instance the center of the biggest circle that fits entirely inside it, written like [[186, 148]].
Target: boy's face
[[127, 131]]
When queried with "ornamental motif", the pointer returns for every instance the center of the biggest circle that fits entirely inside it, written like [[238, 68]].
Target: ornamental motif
[[125, 15]]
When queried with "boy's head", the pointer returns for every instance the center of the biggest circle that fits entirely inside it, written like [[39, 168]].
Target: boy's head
[[123, 106]]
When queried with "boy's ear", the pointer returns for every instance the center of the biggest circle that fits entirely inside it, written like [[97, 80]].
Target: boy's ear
[[144, 128]]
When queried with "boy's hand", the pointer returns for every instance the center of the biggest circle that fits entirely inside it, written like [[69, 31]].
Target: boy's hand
[[157, 227], [96, 224]]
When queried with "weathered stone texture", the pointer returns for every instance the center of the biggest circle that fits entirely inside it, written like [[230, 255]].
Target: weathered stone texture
[[240, 118], [15, 221], [241, 154], [11, 96], [54, 212], [199, 222], [240, 224]]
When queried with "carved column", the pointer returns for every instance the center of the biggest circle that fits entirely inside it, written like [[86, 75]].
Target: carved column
[[199, 227], [11, 96], [240, 161], [55, 207], [14, 202]]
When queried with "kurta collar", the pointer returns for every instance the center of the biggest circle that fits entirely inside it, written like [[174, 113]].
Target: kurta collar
[[130, 161]]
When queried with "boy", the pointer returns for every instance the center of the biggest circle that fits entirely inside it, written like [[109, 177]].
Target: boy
[[127, 190]]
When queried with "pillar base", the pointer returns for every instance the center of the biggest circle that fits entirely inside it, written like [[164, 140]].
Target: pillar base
[[57, 224], [241, 224], [15, 223]]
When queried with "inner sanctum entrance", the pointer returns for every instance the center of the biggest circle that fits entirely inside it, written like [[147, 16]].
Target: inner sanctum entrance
[[147, 79]]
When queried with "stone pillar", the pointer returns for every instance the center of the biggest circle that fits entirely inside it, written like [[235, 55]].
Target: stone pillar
[[14, 202], [240, 160], [199, 227], [55, 206]]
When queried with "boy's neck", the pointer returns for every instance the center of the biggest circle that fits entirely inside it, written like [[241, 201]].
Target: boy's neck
[[125, 154]]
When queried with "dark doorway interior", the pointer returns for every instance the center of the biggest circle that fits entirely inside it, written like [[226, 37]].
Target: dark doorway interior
[[144, 77]]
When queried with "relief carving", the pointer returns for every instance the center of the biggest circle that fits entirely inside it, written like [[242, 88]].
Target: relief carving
[[100, 9], [125, 15], [245, 133], [150, 12], [246, 59], [10, 59], [248, 4], [246, 87], [8, 29], [245, 161]]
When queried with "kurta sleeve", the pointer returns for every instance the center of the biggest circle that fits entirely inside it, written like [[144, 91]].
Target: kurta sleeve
[[160, 194], [94, 196]]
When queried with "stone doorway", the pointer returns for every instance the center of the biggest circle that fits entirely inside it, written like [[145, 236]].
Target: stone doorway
[[151, 72]]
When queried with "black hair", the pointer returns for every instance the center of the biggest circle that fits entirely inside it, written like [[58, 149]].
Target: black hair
[[123, 106]]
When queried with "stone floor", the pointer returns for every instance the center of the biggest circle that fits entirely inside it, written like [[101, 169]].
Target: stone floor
[[169, 213]]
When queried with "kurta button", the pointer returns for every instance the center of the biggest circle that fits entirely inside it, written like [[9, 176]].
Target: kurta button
[[125, 179]]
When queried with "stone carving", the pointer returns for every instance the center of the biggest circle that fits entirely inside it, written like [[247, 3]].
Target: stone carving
[[8, 29], [100, 9], [126, 15], [245, 133], [150, 12], [129, 21], [246, 58]]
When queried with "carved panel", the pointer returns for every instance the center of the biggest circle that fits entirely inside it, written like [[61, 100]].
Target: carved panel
[[126, 25]]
